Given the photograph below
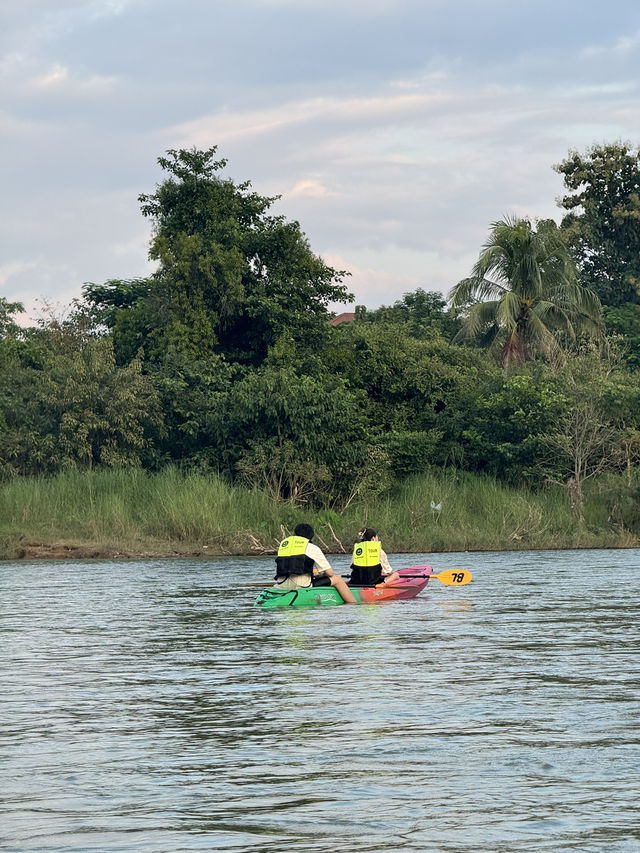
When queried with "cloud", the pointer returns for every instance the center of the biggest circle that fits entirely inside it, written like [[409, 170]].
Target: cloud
[[309, 187], [395, 132], [12, 268], [372, 286], [58, 78], [227, 127], [621, 46]]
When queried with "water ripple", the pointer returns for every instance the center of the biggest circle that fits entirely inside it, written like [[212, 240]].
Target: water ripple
[[150, 707]]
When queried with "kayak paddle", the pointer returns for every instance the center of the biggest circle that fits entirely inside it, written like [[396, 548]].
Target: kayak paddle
[[450, 577], [454, 577]]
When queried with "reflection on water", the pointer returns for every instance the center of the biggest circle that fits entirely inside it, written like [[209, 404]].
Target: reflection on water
[[452, 604], [149, 707]]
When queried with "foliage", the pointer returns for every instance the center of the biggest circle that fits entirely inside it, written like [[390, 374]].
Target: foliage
[[107, 300], [275, 466], [133, 312], [411, 451], [597, 430], [412, 386], [63, 402], [232, 278], [423, 315], [231, 274], [317, 419], [504, 438], [603, 223], [102, 415], [407, 381], [24, 421], [623, 324], [129, 511], [621, 500], [224, 365], [535, 301], [191, 393], [8, 326]]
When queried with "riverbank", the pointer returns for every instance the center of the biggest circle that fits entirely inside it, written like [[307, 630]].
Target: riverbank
[[129, 513]]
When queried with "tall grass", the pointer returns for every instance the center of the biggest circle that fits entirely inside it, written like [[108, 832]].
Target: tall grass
[[472, 512], [133, 512], [130, 511]]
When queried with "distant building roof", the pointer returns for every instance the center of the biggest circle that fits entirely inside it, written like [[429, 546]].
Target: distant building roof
[[345, 317]]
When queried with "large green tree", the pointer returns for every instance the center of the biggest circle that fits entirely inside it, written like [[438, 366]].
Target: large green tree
[[301, 437], [523, 291], [419, 393], [64, 403], [503, 435], [602, 226], [232, 278]]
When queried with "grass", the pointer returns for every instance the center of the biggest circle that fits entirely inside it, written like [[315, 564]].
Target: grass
[[477, 513], [130, 512]]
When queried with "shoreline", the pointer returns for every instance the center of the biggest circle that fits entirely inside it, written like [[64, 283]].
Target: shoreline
[[126, 515], [33, 551]]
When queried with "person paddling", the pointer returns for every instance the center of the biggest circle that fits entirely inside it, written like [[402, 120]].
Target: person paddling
[[300, 563], [370, 566]]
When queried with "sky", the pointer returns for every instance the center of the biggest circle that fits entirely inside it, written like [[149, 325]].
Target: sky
[[395, 131]]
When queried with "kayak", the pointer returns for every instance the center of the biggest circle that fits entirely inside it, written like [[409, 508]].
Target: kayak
[[411, 582]]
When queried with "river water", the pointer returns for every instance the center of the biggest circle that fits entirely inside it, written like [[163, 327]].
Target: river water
[[148, 706]]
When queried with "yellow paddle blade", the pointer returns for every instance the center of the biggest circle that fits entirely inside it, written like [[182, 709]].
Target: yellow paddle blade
[[454, 577]]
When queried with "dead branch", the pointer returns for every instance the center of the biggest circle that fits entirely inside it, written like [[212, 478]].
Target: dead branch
[[256, 545], [324, 544], [344, 550]]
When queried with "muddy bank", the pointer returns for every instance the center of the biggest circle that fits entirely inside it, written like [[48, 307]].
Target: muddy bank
[[62, 551]]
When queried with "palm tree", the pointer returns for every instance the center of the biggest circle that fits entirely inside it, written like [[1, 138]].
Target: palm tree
[[534, 300]]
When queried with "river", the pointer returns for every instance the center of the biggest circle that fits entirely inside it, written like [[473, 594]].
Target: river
[[148, 706]]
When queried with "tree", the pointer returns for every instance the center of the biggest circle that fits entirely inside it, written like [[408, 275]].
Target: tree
[[289, 432], [503, 435], [191, 392], [233, 280], [64, 403], [103, 415], [623, 325], [8, 326], [419, 393], [597, 431], [603, 223], [133, 312], [424, 315], [232, 276], [534, 302]]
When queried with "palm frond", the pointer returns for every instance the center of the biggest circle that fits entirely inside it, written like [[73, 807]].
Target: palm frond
[[554, 316], [512, 351], [472, 289], [509, 310], [542, 339], [481, 315]]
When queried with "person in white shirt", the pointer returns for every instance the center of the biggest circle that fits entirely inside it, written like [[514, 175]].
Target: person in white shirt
[[300, 563]]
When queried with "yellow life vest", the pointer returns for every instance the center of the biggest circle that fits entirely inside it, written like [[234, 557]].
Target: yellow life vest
[[365, 567], [292, 558], [292, 546], [366, 554]]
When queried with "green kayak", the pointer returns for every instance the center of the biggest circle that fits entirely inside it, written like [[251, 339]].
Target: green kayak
[[412, 581]]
